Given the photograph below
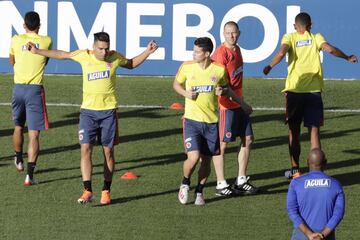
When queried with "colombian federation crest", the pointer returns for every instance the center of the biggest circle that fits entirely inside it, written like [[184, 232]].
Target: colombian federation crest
[[214, 79]]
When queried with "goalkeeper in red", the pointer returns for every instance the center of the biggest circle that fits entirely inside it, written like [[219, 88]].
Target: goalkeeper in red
[[304, 84], [98, 110]]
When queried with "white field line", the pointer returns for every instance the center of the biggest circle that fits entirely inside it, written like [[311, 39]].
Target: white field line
[[165, 107]]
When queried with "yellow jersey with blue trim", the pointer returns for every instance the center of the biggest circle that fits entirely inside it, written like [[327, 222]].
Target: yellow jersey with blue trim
[[203, 82], [305, 73], [99, 79], [28, 67]]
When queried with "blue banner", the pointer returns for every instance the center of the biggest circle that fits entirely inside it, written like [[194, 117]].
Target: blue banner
[[174, 24]]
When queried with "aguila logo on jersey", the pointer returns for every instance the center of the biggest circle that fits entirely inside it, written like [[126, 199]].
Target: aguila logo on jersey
[[24, 48], [314, 183], [98, 75], [203, 89], [303, 43]]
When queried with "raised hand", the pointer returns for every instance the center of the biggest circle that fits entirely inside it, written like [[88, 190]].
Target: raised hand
[[152, 46]]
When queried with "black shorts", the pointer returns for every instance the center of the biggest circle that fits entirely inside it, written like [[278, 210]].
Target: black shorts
[[307, 107]]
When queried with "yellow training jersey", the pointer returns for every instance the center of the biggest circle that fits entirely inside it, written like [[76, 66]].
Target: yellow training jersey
[[98, 79], [29, 68], [305, 72], [202, 81]]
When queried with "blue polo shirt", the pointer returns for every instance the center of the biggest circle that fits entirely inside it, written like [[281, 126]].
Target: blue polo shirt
[[316, 200]]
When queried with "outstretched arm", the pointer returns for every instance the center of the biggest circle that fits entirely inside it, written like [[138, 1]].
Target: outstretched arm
[[338, 53], [136, 61], [277, 58], [57, 54]]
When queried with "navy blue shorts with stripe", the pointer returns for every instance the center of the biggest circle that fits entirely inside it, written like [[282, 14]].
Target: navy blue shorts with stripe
[[201, 136], [234, 123], [98, 125], [28, 106]]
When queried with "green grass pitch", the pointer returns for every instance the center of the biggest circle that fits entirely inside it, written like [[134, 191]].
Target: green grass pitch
[[151, 146]]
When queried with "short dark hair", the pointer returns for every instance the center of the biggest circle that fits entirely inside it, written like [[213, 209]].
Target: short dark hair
[[304, 19], [205, 43], [32, 20], [101, 36], [232, 23]]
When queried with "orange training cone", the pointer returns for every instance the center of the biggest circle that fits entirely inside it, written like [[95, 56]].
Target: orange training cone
[[129, 176], [176, 106]]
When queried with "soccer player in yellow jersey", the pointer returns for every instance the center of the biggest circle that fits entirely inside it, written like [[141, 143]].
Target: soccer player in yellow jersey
[[98, 110], [28, 101], [304, 84], [200, 81]]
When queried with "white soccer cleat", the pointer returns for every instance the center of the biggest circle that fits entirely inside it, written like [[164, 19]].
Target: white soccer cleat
[[29, 182], [183, 195], [19, 165], [199, 200]]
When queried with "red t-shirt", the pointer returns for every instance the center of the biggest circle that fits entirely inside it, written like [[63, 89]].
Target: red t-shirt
[[233, 62]]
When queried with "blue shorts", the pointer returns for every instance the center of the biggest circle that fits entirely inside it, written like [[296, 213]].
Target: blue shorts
[[234, 123], [307, 107], [297, 234], [28, 105], [201, 136], [98, 124]]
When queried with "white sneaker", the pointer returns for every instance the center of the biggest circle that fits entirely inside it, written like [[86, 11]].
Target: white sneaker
[[19, 165], [28, 182], [199, 200], [183, 195]]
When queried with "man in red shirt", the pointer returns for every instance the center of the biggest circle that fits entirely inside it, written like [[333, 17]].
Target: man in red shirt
[[233, 121]]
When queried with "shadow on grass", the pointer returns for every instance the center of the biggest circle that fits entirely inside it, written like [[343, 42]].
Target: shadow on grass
[[139, 197], [150, 135], [73, 118]]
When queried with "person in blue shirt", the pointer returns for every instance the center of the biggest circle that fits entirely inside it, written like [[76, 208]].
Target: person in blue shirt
[[315, 201]]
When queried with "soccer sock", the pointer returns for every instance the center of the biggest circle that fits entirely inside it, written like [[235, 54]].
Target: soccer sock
[[241, 180], [87, 186], [107, 185], [19, 157], [222, 184], [186, 181], [30, 169], [294, 170], [199, 188]]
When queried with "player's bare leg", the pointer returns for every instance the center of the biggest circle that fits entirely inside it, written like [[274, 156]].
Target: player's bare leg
[[190, 163], [33, 153], [222, 187], [34, 146], [294, 148], [242, 184], [86, 161], [204, 170], [244, 154], [314, 134], [218, 161], [294, 144], [188, 168], [86, 173], [203, 174], [109, 166]]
